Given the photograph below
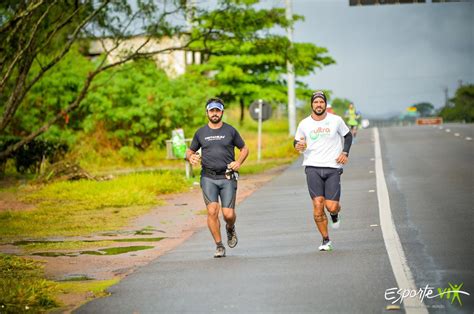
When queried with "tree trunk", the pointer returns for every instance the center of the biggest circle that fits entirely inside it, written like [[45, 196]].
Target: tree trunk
[[242, 111]]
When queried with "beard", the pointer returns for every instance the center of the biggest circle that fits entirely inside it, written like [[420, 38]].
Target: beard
[[319, 111], [214, 119]]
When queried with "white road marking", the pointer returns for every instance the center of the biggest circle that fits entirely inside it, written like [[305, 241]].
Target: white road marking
[[456, 134], [468, 138], [396, 255], [371, 191], [448, 130]]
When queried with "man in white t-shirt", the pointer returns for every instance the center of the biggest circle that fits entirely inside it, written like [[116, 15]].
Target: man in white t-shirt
[[325, 140]]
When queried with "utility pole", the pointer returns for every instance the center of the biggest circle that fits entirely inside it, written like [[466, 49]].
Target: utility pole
[[190, 57], [291, 76], [446, 97]]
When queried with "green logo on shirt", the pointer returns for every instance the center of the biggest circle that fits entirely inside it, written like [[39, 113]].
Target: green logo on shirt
[[318, 133]]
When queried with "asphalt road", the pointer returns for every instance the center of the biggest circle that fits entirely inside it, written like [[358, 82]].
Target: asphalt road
[[431, 184], [276, 266]]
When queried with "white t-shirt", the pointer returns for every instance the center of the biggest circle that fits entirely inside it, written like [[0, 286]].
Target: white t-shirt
[[324, 140]]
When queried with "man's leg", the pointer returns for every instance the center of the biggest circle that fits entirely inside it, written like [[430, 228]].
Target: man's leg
[[229, 216], [315, 178], [333, 207], [320, 216], [332, 195], [213, 221], [210, 191], [228, 195]]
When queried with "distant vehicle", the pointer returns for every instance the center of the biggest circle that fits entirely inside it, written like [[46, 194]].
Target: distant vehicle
[[365, 123]]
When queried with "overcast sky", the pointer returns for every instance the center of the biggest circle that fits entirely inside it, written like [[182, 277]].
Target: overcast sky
[[389, 56]]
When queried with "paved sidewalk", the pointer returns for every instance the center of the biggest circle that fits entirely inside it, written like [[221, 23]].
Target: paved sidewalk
[[276, 266]]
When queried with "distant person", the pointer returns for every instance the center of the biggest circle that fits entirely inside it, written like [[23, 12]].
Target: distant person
[[319, 137], [219, 173], [352, 117], [329, 109]]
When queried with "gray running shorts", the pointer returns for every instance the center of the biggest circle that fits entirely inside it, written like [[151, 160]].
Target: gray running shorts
[[212, 189], [324, 182]]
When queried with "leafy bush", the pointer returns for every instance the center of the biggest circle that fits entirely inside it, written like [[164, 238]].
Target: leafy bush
[[128, 153], [139, 105]]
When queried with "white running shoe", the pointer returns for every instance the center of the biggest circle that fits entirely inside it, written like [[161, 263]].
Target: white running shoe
[[335, 222], [220, 252], [326, 245], [231, 237]]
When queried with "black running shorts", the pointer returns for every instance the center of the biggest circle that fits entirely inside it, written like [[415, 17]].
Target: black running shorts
[[324, 182], [212, 189]]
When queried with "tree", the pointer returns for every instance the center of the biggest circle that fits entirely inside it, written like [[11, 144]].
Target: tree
[[250, 67], [340, 105], [39, 34], [424, 109], [461, 107]]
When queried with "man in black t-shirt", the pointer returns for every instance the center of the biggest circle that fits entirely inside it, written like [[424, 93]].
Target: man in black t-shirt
[[217, 141]]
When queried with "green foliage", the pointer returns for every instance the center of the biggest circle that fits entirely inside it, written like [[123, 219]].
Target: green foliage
[[97, 287], [424, 109], [52, 94], [128, 153], [461, 107], [138, 104], [23, 287]]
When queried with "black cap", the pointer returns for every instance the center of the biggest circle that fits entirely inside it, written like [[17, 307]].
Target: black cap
[[319, 94]]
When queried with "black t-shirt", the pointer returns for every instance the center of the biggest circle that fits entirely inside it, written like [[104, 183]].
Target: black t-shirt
[[217, 146]]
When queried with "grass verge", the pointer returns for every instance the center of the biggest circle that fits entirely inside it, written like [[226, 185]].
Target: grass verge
[[84, 207]]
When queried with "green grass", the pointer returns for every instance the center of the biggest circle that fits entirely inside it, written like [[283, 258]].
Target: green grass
[[83, 207], [96, 287], [253, 167], [23, 287]]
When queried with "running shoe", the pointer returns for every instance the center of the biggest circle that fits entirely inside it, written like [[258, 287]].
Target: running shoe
[[326, 245], [220, 251], [336, 221], [232, 237]]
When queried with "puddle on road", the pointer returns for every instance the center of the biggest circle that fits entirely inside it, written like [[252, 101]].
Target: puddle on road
[[26, 242], [122, 250], [107, 251], [55, 254], [76, 277]]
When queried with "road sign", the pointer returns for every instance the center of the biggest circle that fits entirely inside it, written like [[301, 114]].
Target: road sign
[[429, 121], [260, 111], [266, 110]]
